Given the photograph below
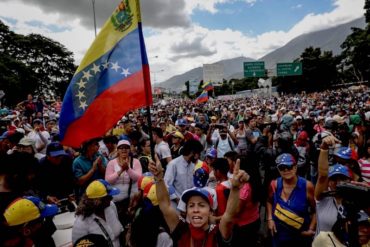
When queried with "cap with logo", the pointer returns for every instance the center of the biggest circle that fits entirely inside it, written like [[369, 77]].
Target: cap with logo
[[26, 209], [339, 169]]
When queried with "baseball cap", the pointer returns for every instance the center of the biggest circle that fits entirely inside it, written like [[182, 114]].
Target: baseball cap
[[198, 192], [182, 122], [150, 192], [37, 120], [339, 169], [25, 141], [55, 149], [26, 209], [285, 159], [201, 175], [363, 217], [344, 153], [212, 152], [178, 135], [123, 142], [100, 188], [144, 180]]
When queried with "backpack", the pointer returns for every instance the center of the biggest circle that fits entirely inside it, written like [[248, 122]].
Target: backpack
[[228, 140]]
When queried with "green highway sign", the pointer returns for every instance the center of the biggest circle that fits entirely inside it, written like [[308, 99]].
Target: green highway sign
[[254, 69], [288, 69]]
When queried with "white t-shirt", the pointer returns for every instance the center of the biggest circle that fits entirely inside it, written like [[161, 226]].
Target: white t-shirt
[[163, 150], [38, 142]]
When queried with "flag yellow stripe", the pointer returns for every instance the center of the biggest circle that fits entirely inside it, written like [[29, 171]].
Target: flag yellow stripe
[[108, 37], [288, 217]]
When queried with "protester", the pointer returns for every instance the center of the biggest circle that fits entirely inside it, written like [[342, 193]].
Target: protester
[[199, 230], [97, 214], [290, 206], [123, 173], [179, 172], [89, 166]]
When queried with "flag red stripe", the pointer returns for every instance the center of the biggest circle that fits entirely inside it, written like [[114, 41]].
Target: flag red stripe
[[107, 109]]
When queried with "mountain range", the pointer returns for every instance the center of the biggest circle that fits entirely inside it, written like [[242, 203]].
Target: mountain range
[[328, 40]]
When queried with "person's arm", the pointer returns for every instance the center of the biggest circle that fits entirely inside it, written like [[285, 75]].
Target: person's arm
[[169, 213], [101, 164], [240, 177], [235, 140], [209, 134], [111, 176], [310, 232], [323, 166], [83, 179], [136, 171], [270, 222]]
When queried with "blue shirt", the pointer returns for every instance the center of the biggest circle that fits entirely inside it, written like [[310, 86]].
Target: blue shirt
[[82, 165]]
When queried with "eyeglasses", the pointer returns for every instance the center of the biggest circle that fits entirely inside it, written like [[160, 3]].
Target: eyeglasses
[[284, 167]]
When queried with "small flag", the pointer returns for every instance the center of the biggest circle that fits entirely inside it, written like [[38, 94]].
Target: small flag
[[112, 79], [207, 86], [203, 97]]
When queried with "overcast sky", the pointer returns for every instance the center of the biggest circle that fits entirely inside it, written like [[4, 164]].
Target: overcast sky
[[184, 34]]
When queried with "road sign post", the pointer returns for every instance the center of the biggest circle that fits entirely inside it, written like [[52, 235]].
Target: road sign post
[[288, 69], [254, 69]]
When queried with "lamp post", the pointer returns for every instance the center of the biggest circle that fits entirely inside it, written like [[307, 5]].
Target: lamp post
[[93, 5]]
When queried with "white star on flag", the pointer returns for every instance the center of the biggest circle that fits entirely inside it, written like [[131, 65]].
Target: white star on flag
[[81, 84], [80, 95], [105, 65], [95, 68], [83, 105], [86, 75], [125, 72], [115, 66]]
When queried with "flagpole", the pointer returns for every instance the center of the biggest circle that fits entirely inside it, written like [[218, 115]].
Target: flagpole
[[93, 5], [147, 83]]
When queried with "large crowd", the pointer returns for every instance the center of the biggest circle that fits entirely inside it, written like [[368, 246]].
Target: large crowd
[[256, 171]]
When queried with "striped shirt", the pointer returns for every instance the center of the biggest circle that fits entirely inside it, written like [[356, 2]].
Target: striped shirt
[[365, 169]]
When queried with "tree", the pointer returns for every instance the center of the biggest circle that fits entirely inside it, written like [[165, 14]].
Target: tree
[[33, 64]]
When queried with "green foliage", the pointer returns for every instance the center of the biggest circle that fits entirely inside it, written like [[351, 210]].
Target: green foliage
[[33, 64], [356, 55]]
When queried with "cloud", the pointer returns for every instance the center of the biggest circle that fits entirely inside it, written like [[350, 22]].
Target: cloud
[[210, 5], [191, 49], [177, 47], [158, 13], [298, 6]]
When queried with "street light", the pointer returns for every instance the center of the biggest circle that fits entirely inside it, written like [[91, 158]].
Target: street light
[[155, 74], [93, 5]]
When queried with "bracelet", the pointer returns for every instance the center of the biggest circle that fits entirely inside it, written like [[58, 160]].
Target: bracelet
[[324, 150], [158, 179], [269, 219]]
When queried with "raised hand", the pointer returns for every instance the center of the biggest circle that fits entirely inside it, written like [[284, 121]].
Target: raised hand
[[240, 177]]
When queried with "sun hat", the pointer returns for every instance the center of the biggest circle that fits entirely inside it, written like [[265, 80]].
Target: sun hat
[[100, 188], [26, 209], [339, 169]]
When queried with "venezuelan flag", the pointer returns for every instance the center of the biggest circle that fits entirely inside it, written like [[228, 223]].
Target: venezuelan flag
[[203, 97], [207, 86], [112, 78]]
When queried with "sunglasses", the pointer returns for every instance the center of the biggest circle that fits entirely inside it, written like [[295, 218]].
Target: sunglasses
[[124, 147], [284, 167]]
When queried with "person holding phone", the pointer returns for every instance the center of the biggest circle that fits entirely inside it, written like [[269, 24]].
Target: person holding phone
[[123, 173]]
